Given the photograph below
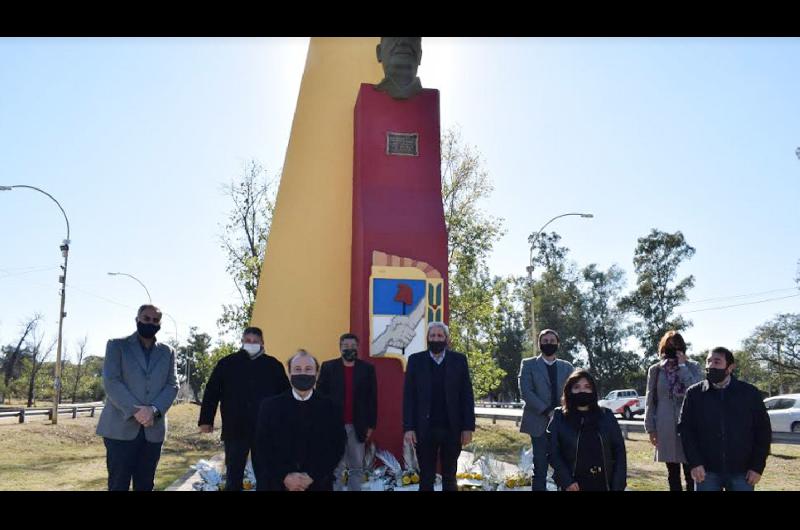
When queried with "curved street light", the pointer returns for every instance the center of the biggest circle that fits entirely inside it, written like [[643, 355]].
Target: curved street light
[[149, 298], [62, 279], [532, 240]]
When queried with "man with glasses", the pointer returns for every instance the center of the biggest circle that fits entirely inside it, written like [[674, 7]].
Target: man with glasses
[[141, 383]]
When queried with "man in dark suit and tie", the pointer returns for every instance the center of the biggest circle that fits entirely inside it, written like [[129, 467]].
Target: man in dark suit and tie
[[438, 407]]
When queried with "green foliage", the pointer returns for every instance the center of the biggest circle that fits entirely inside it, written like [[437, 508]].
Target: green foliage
[[656, 260], [244, 240]]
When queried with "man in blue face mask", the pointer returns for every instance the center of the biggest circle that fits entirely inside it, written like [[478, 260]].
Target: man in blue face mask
[[141, 383], [724, 428], [238, 384]]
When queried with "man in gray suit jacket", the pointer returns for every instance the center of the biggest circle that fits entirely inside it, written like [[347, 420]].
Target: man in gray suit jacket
[[541, 381], [141, 383]]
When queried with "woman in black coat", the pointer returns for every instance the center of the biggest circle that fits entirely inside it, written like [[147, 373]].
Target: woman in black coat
[[587, 450]]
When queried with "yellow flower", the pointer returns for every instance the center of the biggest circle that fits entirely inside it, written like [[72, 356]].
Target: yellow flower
[[415, 478], [406, 480], [247, 485]]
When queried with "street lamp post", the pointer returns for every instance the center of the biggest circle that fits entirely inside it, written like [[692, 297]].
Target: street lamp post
[[532, 240], [62, 279], [149, 298]]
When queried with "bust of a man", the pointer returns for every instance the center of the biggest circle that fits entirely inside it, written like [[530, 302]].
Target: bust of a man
[[400, 57]]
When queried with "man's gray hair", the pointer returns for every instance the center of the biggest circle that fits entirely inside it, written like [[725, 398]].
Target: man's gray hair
[[300, 353], [440, 325]]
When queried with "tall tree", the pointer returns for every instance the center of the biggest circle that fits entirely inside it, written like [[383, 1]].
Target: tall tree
[[36, 355], [657, 295], [557, 297], [777, 343], [13, 354], [195, 353], [471, 238], [244, 240], [602, 332], [509, 340], [81, 345]]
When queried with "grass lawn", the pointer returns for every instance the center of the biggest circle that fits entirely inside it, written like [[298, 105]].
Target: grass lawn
[[505, 441], [70, 456]]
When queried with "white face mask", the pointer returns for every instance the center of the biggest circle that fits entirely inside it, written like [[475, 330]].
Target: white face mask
[[252, 349]]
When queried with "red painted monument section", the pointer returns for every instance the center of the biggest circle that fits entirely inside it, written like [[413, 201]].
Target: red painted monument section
[[397, 210]]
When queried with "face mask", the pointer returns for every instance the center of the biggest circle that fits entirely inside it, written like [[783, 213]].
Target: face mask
[[583, 399], [349, 355], [252, 349], [436, 346], [716, 375], [549, 349], [303, 382], [147, 331]]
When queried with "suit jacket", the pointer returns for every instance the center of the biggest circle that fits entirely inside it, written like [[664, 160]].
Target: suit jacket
[[365, 392], [129, 381], [417, 392], [241, 384], [277, 437], [534, 386]]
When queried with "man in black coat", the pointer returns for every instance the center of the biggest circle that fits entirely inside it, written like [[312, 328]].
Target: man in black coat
[[351, 383], [438, 407], [300, 435], [724, 428], [240, 382]]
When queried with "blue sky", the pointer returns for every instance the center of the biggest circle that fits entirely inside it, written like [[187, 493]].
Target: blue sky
[[135, 138]]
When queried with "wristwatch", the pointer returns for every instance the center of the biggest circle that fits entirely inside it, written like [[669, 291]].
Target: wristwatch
[[156, 412]]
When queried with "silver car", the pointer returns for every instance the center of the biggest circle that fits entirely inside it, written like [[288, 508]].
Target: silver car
[[784, 412]]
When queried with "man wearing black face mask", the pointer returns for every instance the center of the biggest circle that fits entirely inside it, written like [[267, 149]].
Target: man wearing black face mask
[[141, 383], [541, 380], [352, 384], [724, 428], [300, 434], [438, 407]]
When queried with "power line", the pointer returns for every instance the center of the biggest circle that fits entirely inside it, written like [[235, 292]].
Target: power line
[[10, 274], [738, 296], [745, 303]]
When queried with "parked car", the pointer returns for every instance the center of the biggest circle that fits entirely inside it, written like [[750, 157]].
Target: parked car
[[784, 412], [626, 402]]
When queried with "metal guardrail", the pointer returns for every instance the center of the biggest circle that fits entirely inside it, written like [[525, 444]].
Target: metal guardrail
[[486, 410], [23, 413]]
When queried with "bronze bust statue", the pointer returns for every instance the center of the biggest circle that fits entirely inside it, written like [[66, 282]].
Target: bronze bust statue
[[400, 57]]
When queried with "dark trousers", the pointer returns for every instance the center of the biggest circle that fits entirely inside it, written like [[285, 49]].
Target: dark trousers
[[445, 446], [135, 459], [236, 450], [674, 476], [540, 462]]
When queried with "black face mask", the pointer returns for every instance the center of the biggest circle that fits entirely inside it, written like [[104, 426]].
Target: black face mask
[[583, 399], [671, 353], [303, 382], [548, 349], [437, 346], [716, 375], [147, 331], [349, 355]]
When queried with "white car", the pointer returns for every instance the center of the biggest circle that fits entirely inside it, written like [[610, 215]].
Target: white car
[[626, 402], [784, 412]]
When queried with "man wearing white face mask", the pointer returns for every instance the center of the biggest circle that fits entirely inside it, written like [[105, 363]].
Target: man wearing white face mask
[[239, 382]]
